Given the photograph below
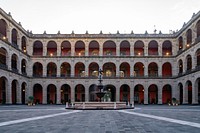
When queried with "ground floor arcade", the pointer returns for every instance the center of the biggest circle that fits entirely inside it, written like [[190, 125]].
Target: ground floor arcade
[[15, 92]]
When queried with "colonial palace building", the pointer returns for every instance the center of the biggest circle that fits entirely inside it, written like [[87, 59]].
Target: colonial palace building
[[55, 68]]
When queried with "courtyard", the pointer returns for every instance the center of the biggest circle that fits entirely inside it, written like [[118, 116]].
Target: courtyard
[[56, 119]]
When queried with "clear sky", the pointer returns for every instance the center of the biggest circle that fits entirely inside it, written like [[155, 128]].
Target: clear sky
[[96, 15]]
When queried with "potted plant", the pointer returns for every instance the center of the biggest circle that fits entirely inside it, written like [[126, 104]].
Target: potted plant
[[174, 101], [31, 99]]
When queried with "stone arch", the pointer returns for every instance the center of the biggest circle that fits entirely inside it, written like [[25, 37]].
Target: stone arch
[[80, 69], [23, 44], [93, 48], [3, 88], [110, 93], [124, 69], [124, 48], [139, 69], [180, 43], [109, 69], [180, 66], [51, 69], [65, 48], [3, 57], [38, 48], [188, 62], [180, 90], [153, 48], [188, 90], [37, 69], [14, 62], [23, 66], [38, 93], [166, 94], [139, 48], [51, 94], [65, 93], [14, 90], [3, 29], [23, 92], [125, 93], [189, 37], [79, 93], [109, 48], [14, 37], [51, 48], [153, 94], [153, 69], [139, 94], [65, 69], [93, 69], [166, 69], [80, 48], [167, 48]]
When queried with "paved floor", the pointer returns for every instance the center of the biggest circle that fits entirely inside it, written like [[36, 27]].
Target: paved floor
[[143, 119]]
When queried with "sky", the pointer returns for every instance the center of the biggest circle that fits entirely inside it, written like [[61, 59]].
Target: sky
[[108, 16]]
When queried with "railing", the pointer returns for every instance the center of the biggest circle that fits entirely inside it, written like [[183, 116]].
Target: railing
[[3, 66], [15, 70], [15, 45]]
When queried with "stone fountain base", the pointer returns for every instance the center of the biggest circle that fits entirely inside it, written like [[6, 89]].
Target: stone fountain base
[[99, 106]]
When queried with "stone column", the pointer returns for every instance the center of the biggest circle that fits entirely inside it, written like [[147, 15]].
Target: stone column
[[131, 70], [58, 68], [19, 94], [100, 49], [131, 94], [194, 93], [145, 94], [58, 49], [19, 65], [44, 93], [44, 69], [185, 94], [8, 92], [118, 93], [72, 69], [9, 34], [72, 48], [44, 48], [87, 93], [159, 93], [117, 49], [58, 93], [19, 42], [132, 49], [72, 92], [160, 48], [8, 61], [145, 69], [86, 49], [117, 70], [160, 69], [145, 49]]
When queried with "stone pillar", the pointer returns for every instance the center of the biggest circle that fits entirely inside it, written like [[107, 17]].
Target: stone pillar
[[44, 69], [19, 42], [160, 69], [159, 93], [185, 94], [86, 49], [44, 93], [145, 49], [8, 61], [117, 70], [100, 49], [72, 48], [131, 95], [194, 61], [19, 65], [19, 94], [59, 49], [117, 49], [72, 69], [131, 70], [194, 92], [72, 92], [9, 34], [44, 48], [8, 92], [58, 93], [145, 69], [58, 68], [86, 93], [132, 49], [117, 94], [145, 93], [159, 49], [86, 69]]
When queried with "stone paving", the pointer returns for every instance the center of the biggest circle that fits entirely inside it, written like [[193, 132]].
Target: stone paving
[[97, 121]]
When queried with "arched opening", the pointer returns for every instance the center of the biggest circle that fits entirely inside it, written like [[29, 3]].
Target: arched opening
[[38, 48], [93, 69], [52, 48], [198, 58], [3, 29], [180, 66], [23, 92], [189, 62], [189, 90], [139, 48], [198, 29], [167, 48], [51, 69], [166, 94], [23, 44], [37, 94], [14, 60], [180, 86], [109, 48], [80, 48], [197, 91], [65, 48], [65, 69], [189, 37], [109, 69], [124, 93], [80, 70], [153, 94], [124, 70], [92, 93], [15, 85], [94, 48], [65, 93], [139, 69], [139, 94], [3, 88], [23, 66], [180, 42], [79, 93], [110, 93], [153, 70], [124, 48], [153, 48], [166, 70], [51, 94], [3, 56], [14, 37], [37, 69]]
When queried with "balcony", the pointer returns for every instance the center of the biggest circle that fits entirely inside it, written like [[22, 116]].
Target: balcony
[[15, 70], [3, 66]]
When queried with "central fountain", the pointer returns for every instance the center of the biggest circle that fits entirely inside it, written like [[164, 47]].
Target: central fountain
[[100, 86], [101, 91]]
